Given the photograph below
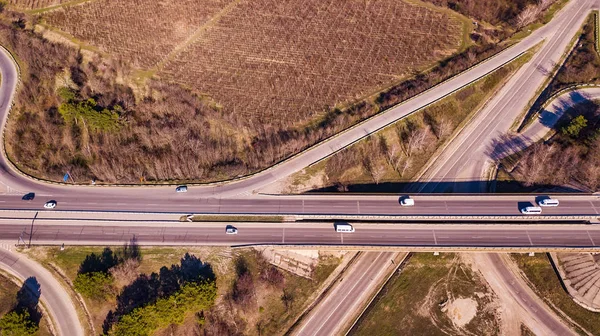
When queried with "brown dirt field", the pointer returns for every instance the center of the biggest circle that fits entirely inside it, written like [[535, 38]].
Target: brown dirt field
[[35, 4], [281, 62], [286, 61], [140, 31]]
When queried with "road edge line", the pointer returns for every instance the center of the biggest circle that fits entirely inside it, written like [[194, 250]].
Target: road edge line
[[399, 264]]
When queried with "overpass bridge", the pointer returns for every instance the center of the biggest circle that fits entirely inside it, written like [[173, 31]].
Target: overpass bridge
[[429, 233]]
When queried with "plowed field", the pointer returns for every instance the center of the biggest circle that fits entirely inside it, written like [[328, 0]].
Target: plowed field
[[277, 62]]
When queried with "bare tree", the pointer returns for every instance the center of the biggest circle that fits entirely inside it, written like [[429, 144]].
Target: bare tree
[[443, 127]]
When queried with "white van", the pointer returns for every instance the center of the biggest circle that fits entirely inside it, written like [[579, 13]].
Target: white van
[[531, 210], [549, 202], [344, 228]]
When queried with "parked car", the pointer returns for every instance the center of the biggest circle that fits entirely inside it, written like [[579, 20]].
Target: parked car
[[50, 205], [548, 202], [407, 201], [181, 189], [231, 230], [531, 210]]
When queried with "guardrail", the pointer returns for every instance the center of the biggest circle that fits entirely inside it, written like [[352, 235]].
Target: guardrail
[[451, 217], [431, 248]]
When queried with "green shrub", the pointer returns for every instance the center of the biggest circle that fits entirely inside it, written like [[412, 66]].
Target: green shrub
[[192, 297], [575, 127], [17, 324], [94, 285], [88, 113]]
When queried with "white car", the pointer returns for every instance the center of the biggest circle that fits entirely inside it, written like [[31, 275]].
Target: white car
[[50, 205], [181, 189], [531, 210], [548, 202], [231, 230], [407, 201]]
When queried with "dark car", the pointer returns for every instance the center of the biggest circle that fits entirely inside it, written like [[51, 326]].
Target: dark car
[[28, 197]]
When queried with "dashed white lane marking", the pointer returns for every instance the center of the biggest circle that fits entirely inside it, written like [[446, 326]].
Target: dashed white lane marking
[[434, 237], [593, 207], [528, 237], [590, 236]]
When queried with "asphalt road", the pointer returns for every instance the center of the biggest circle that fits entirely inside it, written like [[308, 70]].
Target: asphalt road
[[343, 302], [308, 234], [311, 204], [470, 154], [53, 295], [545, 322]]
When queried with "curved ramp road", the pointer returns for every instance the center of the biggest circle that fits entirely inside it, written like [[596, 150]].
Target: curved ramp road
[[509, 287], [54, 296], [559, 30], [506, 146], [469, 155]]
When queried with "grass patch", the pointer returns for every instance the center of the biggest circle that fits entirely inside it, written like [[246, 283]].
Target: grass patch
[[225, 218], [410, 303], [8, 294], [546, 283]]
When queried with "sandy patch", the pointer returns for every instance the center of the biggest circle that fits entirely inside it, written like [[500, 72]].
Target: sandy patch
[[461, 311]]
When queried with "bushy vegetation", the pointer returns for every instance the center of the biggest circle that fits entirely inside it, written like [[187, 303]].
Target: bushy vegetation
[[192, 297], [87, 112], [94, 279], [24, 318], [262, 299], [94, 285], [157, 300], [17, 323], [507, 12]]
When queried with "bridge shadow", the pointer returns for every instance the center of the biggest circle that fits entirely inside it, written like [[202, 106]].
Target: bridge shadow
[[440, 187]]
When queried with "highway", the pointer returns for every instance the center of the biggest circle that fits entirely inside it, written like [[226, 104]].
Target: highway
[[85, 232], [473, 205]]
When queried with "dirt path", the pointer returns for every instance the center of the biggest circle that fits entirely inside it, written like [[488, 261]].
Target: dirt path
[[518, 302]]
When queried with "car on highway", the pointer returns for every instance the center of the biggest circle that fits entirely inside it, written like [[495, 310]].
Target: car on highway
[[342, 227], [231, 230], [548, 202], [50, 205], [531, 210], [407, 201], [28, 197], [181, 189]]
